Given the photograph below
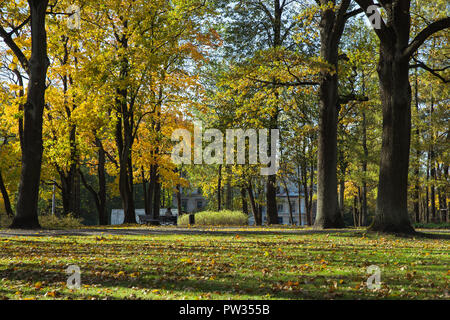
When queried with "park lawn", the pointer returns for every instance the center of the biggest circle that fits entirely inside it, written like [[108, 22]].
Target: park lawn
[[231, 266]]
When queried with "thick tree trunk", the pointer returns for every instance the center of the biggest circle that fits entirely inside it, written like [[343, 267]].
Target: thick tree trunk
[[393, 70], [27, 202], [395, 92], [328, 213]]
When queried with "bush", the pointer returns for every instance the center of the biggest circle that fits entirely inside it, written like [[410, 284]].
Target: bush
[[48, 222], [64, 222], [422, 225], [216, 218]]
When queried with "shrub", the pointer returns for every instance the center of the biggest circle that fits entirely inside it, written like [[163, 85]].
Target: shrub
[[443, 225], [48, 222], [216, 218], [64, 222]]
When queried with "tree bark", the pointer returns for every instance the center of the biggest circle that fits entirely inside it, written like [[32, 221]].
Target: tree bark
[[27, 202], [395, 92], [364, 169], [418, 154], [331, 28]]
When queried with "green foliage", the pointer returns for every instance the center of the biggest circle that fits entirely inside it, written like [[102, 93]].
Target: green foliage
[[216, 218], [432, 225]]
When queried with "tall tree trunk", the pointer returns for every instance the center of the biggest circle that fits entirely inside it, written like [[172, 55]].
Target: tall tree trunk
[[432, 164], [331, 28], [418, 154], [100, 196], [396, 50], [271, 186], [364, 169], [27, 202], [393, 70]]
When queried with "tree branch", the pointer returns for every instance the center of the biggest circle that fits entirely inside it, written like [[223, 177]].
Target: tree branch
[[434, 72], [425, 34], [15, 49]]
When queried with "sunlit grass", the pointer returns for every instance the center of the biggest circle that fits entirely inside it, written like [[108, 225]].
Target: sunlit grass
[[213, 266]]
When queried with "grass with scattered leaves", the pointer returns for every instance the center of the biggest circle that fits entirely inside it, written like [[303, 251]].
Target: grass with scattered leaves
[[267, 265]]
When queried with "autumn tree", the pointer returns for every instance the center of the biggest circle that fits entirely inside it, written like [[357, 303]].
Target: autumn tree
[[396, 51], [32, 147]]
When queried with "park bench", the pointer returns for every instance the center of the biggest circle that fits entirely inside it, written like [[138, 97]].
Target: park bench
[[162, 220]]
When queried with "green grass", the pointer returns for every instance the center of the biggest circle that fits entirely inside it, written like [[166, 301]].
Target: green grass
[[214, 266]]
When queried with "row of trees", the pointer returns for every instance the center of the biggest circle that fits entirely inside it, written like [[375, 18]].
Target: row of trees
[[114, 90], [135, 71]]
